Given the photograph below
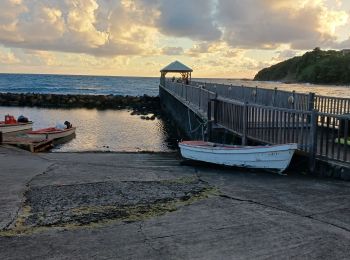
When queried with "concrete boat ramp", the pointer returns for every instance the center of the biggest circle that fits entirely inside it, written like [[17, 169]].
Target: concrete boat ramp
[[150, 206]]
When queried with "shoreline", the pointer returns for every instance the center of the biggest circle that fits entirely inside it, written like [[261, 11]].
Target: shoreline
[[288, 82]]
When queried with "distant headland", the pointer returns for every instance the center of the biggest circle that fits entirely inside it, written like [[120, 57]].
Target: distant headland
[[317, 67]]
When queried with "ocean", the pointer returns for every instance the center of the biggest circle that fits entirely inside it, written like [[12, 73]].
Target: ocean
[[112, 130], [324, 90], [89, 85], [133, 86]]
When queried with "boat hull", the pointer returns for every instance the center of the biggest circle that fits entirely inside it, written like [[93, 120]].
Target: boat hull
[[52, 135], [12, 128], [276, 157]]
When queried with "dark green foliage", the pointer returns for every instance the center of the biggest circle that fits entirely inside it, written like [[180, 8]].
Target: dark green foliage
[[317, 66]]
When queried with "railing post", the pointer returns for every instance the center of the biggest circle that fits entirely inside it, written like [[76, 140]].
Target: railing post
[[311, 101], [208, 96], [245, 123], [216, 109], [274, 97], [210, 123], [313, 140], [243, 93], [310, 104], [1, 138]]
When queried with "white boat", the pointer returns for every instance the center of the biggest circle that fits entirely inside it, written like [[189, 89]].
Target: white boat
[[51, 133], [275, 157], [15, 127]]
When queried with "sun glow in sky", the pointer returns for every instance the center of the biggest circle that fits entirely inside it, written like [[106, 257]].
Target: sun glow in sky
[[218, 38]]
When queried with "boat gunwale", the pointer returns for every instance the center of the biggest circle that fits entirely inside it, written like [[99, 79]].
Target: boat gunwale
[[57, 131], [221, 147], [2, 124]]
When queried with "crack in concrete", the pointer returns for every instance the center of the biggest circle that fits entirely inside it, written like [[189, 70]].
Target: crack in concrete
[[147, 240], [284, 210], [325, 212]]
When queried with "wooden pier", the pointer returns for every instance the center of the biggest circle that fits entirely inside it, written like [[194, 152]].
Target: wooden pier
[[26, 143], [318, 124]]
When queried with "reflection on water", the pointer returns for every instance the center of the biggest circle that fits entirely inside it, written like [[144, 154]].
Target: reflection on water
[[109, 130], [324, 90]]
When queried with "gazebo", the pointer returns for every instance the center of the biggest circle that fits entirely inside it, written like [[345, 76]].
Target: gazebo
[[177, 67]]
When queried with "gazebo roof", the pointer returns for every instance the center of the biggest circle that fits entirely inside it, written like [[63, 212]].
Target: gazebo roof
[[176, 66]]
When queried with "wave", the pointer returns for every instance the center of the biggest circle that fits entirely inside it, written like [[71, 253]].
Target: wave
[[89, 85]]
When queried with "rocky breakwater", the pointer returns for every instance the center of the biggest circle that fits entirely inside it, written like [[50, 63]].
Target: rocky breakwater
[[141, 105]]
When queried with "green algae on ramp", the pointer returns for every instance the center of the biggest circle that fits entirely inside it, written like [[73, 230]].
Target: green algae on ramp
[[63, 207]]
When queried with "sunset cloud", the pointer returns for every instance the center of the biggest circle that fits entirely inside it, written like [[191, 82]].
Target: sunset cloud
[[184, 18], [8, 58], [100, 28], [172, 51], [303, 24], [216, 32]]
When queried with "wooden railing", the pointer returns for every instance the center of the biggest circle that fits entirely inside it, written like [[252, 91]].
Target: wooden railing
[[333, 137], [332, 105], [261, 96], [195, 95], [318, 134], [264, 124], [280, 98]]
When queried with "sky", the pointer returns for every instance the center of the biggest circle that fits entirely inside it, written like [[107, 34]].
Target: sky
[[217, 38]]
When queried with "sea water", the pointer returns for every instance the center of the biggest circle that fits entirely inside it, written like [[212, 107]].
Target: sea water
[[134, 86], [102, 130], [113, 130]]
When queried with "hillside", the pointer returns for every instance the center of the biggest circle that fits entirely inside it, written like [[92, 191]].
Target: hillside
[[317, 66]]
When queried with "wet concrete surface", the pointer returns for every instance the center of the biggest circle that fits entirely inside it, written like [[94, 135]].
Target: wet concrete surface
[[150, 206]]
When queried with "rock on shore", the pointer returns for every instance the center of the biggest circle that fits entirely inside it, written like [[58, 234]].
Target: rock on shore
[[140, 105]]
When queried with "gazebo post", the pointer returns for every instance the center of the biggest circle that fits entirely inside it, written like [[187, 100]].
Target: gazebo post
[[162, 78]]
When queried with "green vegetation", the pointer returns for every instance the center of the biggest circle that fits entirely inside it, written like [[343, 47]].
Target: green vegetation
[[317, 66]]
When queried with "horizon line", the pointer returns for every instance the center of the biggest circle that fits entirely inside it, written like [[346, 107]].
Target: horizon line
[[120, 76]]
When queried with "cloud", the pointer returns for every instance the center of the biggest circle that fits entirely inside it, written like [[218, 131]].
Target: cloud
[[172, 51], [266, 24], [109, 28], [199, 48], [100, 28], [8, 58], [344, 44], [103, 27], [286, 54], [186, 18]]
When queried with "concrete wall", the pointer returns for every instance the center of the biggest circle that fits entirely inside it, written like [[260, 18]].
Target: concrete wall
[[186, 120]]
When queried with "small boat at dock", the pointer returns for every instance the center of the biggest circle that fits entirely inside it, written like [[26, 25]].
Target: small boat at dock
[[274, 157], [11, 125], [51, 133]]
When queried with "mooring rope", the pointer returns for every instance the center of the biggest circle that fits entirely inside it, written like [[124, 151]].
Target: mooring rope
[[201, 125]]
